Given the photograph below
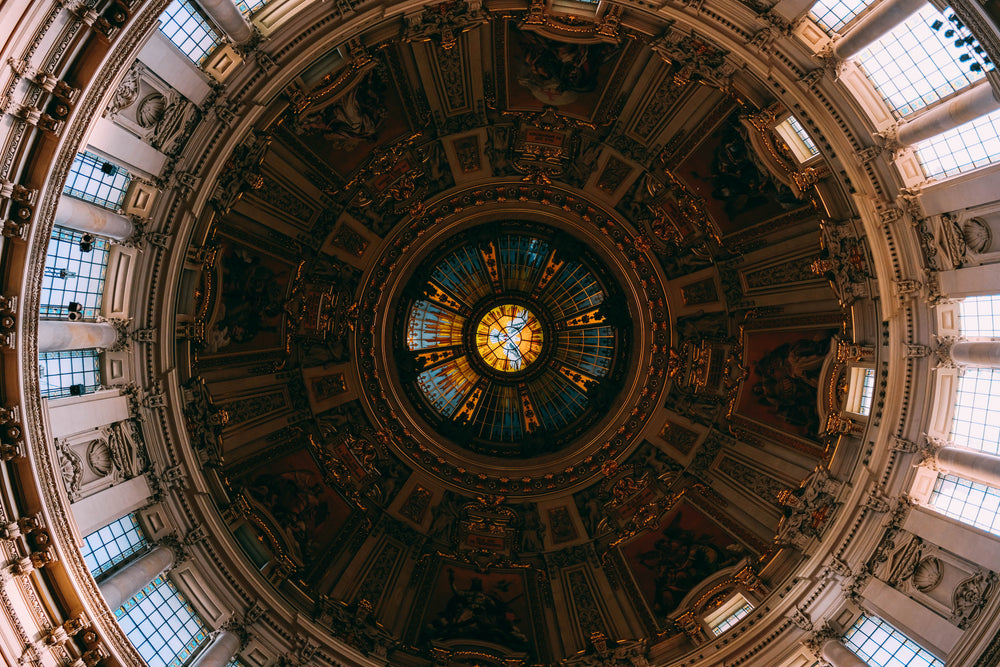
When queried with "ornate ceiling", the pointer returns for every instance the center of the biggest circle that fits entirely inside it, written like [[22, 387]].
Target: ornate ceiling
[[512, 333], [602, 189]]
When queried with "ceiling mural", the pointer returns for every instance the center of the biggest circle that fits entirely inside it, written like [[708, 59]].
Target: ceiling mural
[[433, 368]]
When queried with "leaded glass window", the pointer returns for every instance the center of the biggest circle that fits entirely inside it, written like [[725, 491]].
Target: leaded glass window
[[832, 15], [113, 544], [741, 611], [98, 181], [161, 624], [69, 373], [920, 61], [798, 140], [979, 316], [976, 423], [882, 645], [73, 275], [964, 148], [250, 6], [189, 31], [972, 503]]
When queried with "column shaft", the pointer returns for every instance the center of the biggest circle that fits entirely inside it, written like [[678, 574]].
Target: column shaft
[[971, 103], [227, 17], [976, 353], [970, 464], [838, 655], [86, 217], [128, 581], [222, 649], [884, 17], [55, 335]]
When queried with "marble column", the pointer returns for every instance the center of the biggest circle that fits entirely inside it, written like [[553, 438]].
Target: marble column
[[92, 219], [976, 353], [838, 655], [55, 335], [971, 103], [222, 649], [971, 464], [885, 16], [125, 583], [231, 20]]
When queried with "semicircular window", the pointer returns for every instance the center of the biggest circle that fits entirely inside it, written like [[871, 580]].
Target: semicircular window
[[513, 339]]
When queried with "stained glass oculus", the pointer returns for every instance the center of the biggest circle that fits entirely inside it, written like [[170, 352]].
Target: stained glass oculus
[[512, 339], [509, 337]]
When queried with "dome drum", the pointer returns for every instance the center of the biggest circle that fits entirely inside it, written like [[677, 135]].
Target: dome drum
[[533, 254]]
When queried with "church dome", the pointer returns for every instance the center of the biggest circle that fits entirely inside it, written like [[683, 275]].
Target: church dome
[[516, 333]]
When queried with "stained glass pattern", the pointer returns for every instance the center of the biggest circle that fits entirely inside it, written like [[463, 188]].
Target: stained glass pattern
[[508, 340], [509, 337]]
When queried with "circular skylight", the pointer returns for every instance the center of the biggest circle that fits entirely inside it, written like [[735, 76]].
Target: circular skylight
[[509, 340], [509, 337]]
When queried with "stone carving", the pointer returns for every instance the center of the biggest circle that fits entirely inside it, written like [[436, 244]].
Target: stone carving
[[99, 457], [127, 451], [845, 264], [970, 596], [603, 653], [927, 574], [807, 509], [241, 169], [128, 89], [356, 624], [977, 235], [444, 22], [71, 467]]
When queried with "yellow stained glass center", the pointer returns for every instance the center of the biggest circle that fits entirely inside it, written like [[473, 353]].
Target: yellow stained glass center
[[509, 337]]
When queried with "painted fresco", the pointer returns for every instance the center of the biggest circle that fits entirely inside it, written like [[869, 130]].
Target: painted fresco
[[668, 562], [308, 514], [249, 310], [738, 191], [344, 129], [466, 604], [543, 72], [782, 387]]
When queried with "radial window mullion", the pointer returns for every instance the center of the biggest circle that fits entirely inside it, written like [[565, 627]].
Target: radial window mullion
[[250, 6], [976, 421], [979, 316], [969, 146]]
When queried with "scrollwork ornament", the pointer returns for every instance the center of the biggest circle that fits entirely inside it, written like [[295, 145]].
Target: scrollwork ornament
[[970, 596]]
